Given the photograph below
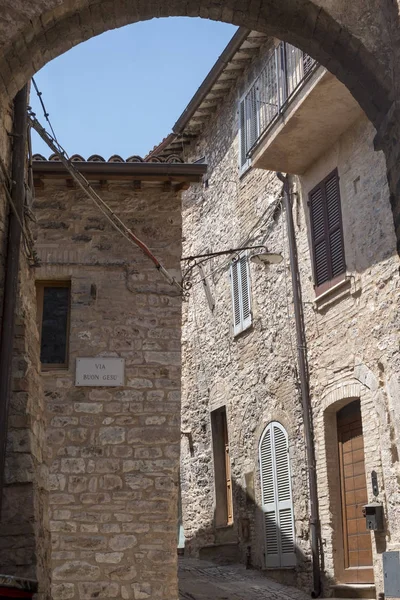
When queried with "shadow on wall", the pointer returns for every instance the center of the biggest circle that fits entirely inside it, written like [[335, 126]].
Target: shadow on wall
[[254, 540]]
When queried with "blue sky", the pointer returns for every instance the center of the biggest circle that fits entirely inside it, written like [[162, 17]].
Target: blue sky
[[121, 92]]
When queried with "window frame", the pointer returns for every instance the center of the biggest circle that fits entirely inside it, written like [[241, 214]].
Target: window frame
[[246, 164], [334, 280], [40, 285], [245, 323]]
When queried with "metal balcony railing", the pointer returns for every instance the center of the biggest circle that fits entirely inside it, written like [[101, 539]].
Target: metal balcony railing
[[283, 75]]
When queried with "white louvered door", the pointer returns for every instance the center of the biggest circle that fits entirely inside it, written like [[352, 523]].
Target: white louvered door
[[277, 503]]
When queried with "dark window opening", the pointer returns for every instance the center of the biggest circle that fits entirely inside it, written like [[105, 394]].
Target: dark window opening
[[222, 469], [53, 313]]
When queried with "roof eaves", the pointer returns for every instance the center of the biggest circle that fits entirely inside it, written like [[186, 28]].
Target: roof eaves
[[212, 77]]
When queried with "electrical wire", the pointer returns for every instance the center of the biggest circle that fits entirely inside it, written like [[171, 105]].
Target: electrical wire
[[45, 113], [249, 238], [28, 242], [83, 183]]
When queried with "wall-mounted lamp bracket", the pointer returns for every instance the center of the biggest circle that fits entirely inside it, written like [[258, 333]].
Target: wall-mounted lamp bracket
[[199, 259]]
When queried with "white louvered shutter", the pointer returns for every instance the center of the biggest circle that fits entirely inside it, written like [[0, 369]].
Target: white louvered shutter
[[252, 117], [236, 298], [277, 502], [243, 161], [245, 291], [241, 299], [284, 496], [272, 558]]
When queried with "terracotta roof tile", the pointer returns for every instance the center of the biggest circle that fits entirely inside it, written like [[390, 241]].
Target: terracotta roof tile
[[115, 158]]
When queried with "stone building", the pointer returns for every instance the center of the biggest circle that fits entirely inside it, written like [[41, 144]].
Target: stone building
[[360, 44], [110, 457], [267, 107]]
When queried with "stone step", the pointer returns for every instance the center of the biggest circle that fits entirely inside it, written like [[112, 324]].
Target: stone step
[[344, 598], [346, 591]]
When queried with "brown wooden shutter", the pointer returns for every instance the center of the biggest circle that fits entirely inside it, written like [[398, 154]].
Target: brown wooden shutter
[[327, 232]]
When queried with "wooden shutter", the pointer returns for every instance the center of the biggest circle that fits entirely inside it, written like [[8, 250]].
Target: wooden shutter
[[327, 231], [236, 298], [277, 503], [243, 161], [228, 476], [284, 496], [308, 63], [272, 558], [240, 287], [251, 117], [245, 291], [248, 125]]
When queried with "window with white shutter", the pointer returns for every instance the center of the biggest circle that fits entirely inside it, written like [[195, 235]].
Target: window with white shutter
[[240, 286], [277, 502], [248, 126]]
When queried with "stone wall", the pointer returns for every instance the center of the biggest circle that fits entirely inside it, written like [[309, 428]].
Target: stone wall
[[360, 45], [24, 541], [352, 339], [112, 453], [253, 375], [353, 334]]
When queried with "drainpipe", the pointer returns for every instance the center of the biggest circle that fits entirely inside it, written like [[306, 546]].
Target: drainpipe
[[19, 137], [305, 388]]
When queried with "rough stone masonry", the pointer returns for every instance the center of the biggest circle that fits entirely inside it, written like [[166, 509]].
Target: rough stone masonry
[[112, 452]]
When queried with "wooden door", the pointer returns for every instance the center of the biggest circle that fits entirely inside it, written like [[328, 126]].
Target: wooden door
[[229, 503], [357, 547]]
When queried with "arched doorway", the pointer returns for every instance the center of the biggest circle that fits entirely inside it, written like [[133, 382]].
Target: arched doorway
[[356, 563]]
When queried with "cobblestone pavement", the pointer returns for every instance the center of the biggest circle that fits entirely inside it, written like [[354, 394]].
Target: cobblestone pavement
[[202, 580]]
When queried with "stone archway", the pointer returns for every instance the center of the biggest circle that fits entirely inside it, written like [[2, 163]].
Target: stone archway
[[307, 24], [357, 44], [354, 43]]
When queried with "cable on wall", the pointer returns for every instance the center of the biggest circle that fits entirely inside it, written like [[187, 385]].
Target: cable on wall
[[83, 183]]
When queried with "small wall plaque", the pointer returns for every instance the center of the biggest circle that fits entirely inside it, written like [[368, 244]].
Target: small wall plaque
[[100, 372]]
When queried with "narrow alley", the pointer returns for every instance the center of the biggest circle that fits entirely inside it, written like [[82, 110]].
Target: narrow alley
[[203, 580]]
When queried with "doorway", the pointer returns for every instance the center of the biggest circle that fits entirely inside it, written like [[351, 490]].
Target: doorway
[[357, 546]]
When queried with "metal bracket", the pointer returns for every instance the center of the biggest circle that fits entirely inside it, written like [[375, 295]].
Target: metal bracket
[[193, 261]]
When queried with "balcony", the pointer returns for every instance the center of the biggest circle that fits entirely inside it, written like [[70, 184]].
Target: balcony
[[294, 112]]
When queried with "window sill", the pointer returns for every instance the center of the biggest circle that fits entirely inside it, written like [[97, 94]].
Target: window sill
[[337, 290], [242, 332], [55, 369]]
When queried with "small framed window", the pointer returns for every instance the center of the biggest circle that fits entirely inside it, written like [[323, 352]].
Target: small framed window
[[241, 300], [327, 233], [248, 126], [53, 312]]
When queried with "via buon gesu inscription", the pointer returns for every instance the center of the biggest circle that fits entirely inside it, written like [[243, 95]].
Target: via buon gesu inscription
[[100, 372]]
